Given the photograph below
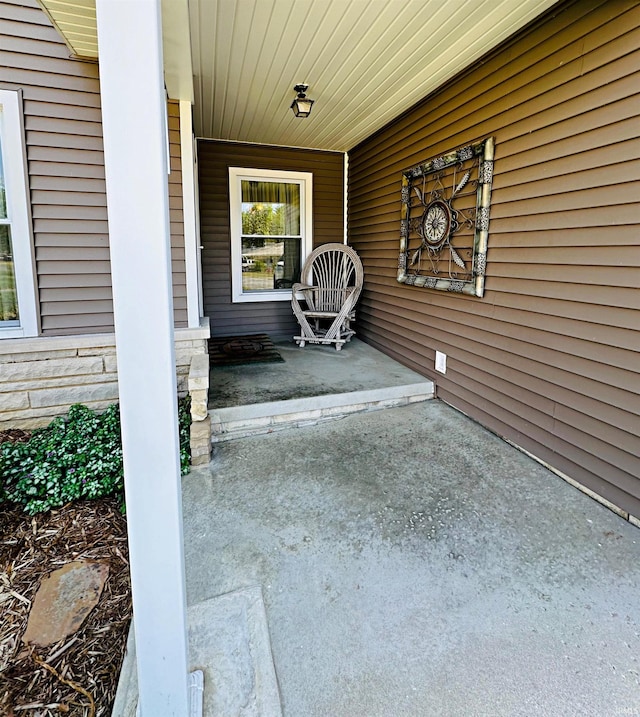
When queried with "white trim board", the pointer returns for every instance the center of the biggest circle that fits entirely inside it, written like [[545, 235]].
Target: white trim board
[[190, 208], [19, 214], [236, 175]]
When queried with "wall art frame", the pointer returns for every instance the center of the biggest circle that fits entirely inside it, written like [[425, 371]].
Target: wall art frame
[[444, 226]]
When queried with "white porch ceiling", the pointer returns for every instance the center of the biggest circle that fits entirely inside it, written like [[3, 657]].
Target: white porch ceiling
[[365, 61]]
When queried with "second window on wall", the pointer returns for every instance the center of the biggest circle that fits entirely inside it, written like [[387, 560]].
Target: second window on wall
[[271, 231]]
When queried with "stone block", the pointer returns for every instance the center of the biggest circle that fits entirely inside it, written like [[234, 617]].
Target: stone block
[[420, 397], [247, 424], [298, 416], [37, 355], [199, 410], [202, 450], [181, 384], [25, 423], [202, 460], [110, 363], [40, 417], [63, 601], [97, 351], [199, 373], [200, 396], [201, 430], [55, 343], [13, 401], [57, 382], [31, 370], [182, 344], [74, 394], [184, 356]]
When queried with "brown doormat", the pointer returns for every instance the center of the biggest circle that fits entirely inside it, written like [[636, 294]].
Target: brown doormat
[[238, 350]]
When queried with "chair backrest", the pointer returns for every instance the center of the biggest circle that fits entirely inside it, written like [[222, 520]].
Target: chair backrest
[[333, 268]]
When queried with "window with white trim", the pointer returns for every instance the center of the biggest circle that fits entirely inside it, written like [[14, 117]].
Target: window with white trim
[[271, 231], [18, 313]]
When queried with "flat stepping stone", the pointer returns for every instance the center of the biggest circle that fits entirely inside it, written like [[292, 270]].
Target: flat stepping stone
[[64, 600]]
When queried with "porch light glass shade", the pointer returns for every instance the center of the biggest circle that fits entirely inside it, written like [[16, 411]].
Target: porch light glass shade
[[301, 106]]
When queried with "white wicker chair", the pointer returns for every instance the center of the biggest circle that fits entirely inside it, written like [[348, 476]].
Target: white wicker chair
[[330, 283]]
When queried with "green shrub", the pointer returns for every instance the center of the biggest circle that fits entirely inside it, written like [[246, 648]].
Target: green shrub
[[184, 424], [78, 456]]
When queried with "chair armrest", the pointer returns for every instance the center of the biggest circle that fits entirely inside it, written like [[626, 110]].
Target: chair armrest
[[302, 287]]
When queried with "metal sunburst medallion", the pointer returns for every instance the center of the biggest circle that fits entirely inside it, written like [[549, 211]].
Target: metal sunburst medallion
[[437, 224]]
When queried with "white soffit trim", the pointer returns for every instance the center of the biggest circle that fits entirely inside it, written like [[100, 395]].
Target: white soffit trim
[[176, 47], [75, 21]]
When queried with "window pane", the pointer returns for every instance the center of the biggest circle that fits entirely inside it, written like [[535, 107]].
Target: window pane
[[270, 263], [8, 294], [3, 193], [270, 208]]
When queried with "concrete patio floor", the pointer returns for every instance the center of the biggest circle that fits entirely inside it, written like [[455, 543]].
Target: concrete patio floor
[[307, 373], [313, 384], [413, 563]]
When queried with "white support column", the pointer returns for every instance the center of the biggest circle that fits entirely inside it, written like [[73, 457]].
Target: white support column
[[134, 130], [190, 209]]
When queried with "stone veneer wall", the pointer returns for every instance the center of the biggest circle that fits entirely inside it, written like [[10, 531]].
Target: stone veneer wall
[[41, 378]]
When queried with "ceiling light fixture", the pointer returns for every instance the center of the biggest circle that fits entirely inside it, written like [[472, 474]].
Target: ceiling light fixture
[[301, 106]]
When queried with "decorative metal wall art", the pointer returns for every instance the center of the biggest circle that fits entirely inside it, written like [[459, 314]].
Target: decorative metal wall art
[[444, 227]]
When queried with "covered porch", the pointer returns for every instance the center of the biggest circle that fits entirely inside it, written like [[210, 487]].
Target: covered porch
[[405, 561], [371, 607]]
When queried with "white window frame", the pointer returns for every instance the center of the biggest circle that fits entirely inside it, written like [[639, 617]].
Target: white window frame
[[236, 176], [19, 219]]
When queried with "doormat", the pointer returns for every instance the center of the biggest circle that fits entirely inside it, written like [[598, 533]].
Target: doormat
[[239, 350]]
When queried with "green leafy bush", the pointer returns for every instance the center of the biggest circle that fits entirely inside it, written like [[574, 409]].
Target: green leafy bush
[[78, 456], [184, 424]]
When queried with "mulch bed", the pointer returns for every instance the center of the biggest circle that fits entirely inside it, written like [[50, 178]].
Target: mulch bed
[[241, 350], [15, 435], [77, 676]]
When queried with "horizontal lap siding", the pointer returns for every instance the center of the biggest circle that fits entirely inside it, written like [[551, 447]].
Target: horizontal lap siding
[[214, 159], [549, 357], [63, 126], [176, 218]]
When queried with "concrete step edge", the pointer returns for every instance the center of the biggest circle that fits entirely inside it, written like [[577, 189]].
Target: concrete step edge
[[218, 630], [229, 424]]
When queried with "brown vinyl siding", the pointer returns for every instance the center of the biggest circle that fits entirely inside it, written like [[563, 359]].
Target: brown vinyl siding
[[214, 159], [549, 357], [176, 218], [63, 125]]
